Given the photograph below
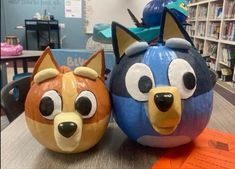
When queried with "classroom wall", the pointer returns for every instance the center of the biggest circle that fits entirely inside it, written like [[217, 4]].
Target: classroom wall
[[3, 30], [14, 12]]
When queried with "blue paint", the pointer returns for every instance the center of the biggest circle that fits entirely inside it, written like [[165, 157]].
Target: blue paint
[[153, 11], [158, 58], [132, 117], [14, 12]]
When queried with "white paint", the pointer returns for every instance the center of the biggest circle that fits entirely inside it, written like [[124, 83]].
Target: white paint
[[132, 78], [57, 103], [178, 43], [136, 47], [176, 70]]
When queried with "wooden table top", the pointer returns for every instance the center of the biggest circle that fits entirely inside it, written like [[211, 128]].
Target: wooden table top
[[115, 151], [25, 54]]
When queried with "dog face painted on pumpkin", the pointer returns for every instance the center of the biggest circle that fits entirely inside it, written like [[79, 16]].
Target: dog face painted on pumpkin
[[161, 94], [68, 111]]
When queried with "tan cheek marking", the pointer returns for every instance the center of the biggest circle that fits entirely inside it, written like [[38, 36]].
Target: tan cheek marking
[[91, 134], [69, 92], [44, 133]]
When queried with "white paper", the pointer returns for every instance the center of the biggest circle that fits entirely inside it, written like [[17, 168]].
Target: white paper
[[73, 8], [106, 11]]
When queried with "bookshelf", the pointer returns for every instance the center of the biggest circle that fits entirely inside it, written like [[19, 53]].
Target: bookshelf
[[213, 33]]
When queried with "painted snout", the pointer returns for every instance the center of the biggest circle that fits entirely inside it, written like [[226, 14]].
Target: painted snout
[[67, 130], [164, 109]]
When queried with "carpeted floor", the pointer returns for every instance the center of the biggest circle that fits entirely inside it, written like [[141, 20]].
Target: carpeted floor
[[4, 122], [226, 91]]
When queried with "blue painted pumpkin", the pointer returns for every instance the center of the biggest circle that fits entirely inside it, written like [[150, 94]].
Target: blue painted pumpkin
[[154, 9], [161, 94]]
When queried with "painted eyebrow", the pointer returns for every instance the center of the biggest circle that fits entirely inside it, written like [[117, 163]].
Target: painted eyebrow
[[86, 72], [178, 43], [45, 74], [136, 47]]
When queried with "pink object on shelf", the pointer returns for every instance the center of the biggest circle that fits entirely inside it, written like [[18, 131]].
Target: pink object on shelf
[[11, 50]]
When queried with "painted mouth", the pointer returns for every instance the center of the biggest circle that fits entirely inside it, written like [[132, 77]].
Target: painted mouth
[[165, 130], [68, 145]]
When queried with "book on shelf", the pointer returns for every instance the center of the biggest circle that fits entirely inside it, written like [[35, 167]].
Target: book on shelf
[[212, 65], [192, 13], [228, 56], [199, 47], [216, 11], [233, 76], [201, 29], [202, 12], [191, 29], [229, 31], [226, 74], [214, 30], [229, 10], [212, 50]]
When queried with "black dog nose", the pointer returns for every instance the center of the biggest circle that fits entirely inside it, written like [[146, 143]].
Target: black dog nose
[[163, 101], [67, 129]]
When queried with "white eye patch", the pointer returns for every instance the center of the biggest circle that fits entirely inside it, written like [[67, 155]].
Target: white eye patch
[[136, 47], [139, 80], [182, 76], [178, 43]]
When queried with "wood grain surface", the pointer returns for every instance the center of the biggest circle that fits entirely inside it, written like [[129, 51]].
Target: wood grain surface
[[115, 151]]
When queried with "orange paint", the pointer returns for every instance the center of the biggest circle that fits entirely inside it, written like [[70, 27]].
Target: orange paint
[[68, 86]]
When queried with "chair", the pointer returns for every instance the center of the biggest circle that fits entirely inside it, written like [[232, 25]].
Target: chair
[[13, 97]]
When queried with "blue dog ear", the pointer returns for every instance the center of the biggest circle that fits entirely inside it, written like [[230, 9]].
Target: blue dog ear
[[122, 38], [171, 28]]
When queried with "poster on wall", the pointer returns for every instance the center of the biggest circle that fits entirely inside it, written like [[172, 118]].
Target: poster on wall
[[73, 8], [106, 11]]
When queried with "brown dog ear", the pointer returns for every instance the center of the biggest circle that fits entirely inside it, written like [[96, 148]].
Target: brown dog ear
[[97, 63], [45, 62]]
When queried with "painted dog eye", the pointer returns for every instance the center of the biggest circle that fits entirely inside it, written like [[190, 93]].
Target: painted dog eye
[[139, 81], [86, 104], [50, 104], [189, 80], [182, 76], [145, 84]]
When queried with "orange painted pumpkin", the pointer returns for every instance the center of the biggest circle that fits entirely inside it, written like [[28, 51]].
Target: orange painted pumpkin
[[68, 111]]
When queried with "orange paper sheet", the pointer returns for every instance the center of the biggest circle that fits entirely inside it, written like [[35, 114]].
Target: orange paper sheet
[[211, 150]]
